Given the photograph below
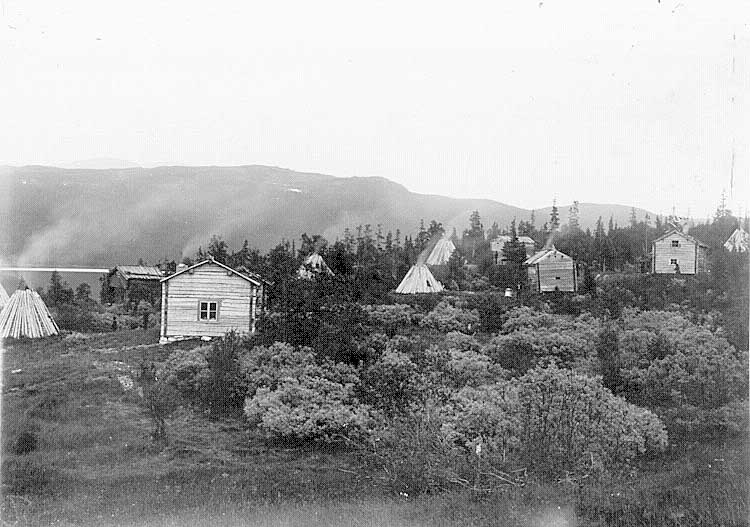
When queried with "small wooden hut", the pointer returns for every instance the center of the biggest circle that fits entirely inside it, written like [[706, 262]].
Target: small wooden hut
[[133, 283], [497, 244], [550, 270], [678, 253], [312, 266], [209, 299]]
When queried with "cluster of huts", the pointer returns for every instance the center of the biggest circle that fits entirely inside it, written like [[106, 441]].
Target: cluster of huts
[[209, 298]]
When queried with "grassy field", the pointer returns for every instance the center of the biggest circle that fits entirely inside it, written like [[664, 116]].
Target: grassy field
[[94, 463]]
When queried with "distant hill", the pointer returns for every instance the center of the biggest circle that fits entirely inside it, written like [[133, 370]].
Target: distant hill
[[102, 217]]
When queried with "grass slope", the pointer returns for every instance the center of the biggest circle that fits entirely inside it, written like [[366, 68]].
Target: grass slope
[[95, 464]]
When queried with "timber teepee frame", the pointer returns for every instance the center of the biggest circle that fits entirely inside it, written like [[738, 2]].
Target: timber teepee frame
[[419, 279], [26, 315]]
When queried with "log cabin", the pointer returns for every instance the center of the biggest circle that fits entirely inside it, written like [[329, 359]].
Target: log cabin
[[208, 300], [497, 244], [678, 253], [132, 283], [550, 270]]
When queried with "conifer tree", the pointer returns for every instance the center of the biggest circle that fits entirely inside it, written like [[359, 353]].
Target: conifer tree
[[218, 249], [573, 217], [554, 217], [514, 255]]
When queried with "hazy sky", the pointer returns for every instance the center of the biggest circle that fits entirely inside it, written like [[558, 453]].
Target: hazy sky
[[633, 102]]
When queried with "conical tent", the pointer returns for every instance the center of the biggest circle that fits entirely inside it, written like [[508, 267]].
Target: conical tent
[[26, 315], [419, 279], [441, 253], [313, 264], [739, 241], [3, 297]]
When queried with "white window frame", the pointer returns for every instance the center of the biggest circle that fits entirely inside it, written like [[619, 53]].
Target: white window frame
[[675, 243], [673, 261], [208, 303]]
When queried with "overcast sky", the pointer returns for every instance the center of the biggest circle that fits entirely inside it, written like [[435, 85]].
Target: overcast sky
[[633, 102]]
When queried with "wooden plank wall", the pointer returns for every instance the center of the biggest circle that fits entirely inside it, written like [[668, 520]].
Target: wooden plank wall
[[549, 272], [207, 283], [664, 252]]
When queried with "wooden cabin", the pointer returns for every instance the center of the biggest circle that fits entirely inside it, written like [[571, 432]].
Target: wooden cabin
[[498, 243], [133, 283], [550, 270], [209, 299], [677, 253]]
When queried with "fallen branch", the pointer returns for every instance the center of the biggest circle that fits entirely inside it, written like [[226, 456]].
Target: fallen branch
[[501, 478]]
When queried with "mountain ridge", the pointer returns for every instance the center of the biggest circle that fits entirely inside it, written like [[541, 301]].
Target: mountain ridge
[[104, 217]]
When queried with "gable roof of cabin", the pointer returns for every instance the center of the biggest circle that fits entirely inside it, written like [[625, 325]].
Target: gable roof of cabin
[[252, 280], [541, 255], [672, 232], [139, 272], [504, 238]]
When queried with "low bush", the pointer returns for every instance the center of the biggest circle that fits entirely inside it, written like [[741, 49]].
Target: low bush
[[310, 402], [24, 443], [29, 476], [470, 368], [528, 336], [461, 341], [390, 317], [446, 318], [553, 420], [413, 455], [392, 384], [187, 371], [267, 366], [161, 401], [686, 373], [222, 387]]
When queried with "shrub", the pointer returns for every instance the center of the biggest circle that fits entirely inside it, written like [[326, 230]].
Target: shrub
[[512, 352], [461, 341], [223, 391], [687, 373], [317, 402], [24, 443], [392, 384], [389, 317], [470, 368], [554, 420], [446, 318], [528, 336], [267, 366], [371, 347], [526, 318], [28, 476], [161, 400], [187, 371], [413, 455], [491, 307]]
